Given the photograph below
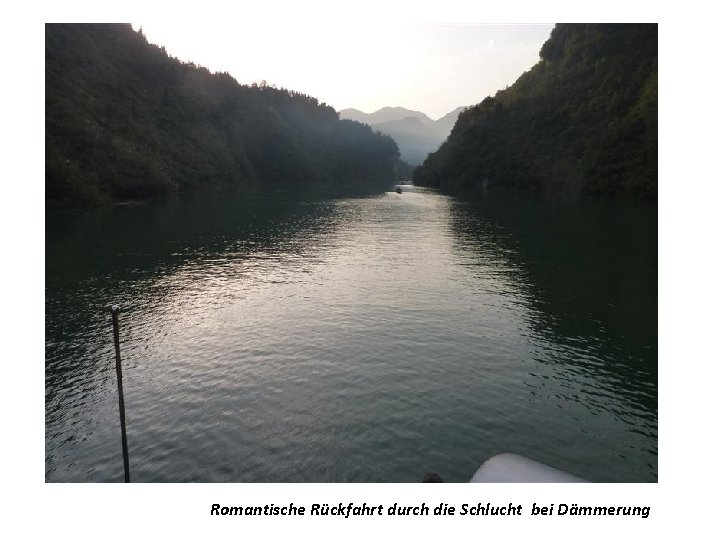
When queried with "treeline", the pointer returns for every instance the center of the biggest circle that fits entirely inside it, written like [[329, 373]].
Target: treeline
[[125, 121], [582, 120]]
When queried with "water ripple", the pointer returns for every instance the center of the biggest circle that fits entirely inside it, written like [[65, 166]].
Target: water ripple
[[358, 339]]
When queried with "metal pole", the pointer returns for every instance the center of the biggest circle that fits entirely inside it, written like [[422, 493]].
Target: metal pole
[[114, 310]]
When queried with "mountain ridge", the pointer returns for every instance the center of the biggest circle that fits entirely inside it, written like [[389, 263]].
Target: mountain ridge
[[414, 131], [126, 121]]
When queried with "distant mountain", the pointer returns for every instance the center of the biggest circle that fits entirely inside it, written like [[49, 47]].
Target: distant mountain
[[415, 138], [447, 122], [583, 120], [386, 114], [415, 133]]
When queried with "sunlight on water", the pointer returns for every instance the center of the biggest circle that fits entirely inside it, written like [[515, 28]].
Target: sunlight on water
[[356, 339]]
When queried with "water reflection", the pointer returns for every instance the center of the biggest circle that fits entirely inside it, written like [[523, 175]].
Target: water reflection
[[165, 264], [586, 274], [347, 339]]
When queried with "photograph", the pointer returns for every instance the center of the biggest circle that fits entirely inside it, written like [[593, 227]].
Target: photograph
[[351, 253]]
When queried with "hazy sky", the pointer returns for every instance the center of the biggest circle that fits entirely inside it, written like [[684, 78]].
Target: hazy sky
[[431, 68]]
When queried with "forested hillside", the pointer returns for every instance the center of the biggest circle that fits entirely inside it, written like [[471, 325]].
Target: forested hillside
[[125, 121], [582, 120]]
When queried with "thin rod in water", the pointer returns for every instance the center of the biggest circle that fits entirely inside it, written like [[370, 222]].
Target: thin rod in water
[[114, 310]]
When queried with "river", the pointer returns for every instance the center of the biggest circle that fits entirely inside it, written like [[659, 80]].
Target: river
[[352, 339]]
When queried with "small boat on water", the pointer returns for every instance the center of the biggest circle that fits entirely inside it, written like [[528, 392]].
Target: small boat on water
[[403, 184]]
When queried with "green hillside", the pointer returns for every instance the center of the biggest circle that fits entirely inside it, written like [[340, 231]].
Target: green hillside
[[126, 121], [582, 120]]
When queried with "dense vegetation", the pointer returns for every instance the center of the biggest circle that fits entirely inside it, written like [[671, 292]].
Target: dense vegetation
[[582, 120], [126, 121]]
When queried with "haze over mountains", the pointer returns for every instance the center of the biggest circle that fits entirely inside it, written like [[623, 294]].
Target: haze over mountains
[[415, 132]]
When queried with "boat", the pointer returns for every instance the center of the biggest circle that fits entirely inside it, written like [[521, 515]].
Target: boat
[[514, 468], [507, 468]]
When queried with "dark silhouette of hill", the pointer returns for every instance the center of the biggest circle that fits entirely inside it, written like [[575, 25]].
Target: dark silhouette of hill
[[126, 121], [415, 133], [582, 120]]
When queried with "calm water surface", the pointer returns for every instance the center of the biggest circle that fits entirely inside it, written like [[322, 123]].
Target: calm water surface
[[352, 339]]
